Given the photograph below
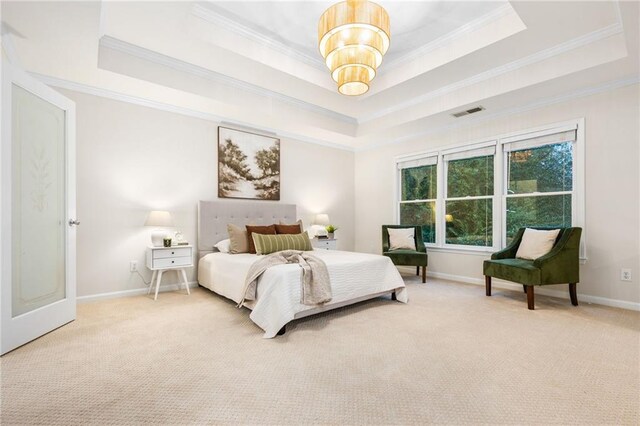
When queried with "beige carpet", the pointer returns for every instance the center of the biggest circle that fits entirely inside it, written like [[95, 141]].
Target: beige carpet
[[451, 356]]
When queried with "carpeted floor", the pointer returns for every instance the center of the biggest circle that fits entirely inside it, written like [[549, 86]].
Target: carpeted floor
[[450, 356]]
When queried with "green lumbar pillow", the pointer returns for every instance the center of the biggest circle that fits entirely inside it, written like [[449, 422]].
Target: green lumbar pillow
[[267, 243]]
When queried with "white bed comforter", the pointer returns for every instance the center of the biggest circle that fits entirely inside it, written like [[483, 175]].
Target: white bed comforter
[[353, 276]]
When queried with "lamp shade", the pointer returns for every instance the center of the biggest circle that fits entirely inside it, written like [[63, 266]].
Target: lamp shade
[[353, 36], [321, 219], [159, 218]]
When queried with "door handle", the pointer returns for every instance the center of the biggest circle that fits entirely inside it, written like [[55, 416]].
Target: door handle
[[73, 222]]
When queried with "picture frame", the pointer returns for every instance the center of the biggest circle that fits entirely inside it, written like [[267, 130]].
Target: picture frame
[[248, 165]]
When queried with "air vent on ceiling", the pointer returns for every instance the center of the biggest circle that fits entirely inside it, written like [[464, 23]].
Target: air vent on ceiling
[[467, 112]]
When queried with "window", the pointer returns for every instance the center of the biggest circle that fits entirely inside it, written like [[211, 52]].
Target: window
[[539, 182], [476, 197], [418, 193], [469, 197]]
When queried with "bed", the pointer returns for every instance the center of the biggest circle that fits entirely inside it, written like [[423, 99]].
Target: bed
[[355, 277]]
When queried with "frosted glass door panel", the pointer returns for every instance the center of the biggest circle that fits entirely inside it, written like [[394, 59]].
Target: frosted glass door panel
[[38, 202]]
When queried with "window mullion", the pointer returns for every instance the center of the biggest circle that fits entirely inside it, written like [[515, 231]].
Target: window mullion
[[497, 200], [538, 194], [440, 204], [417, 201], [473, 197]]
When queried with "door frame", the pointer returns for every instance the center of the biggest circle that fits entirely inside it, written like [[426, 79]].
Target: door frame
[[16, 331]]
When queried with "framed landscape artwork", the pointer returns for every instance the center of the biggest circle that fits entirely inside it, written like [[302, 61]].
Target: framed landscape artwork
[[248, 165]]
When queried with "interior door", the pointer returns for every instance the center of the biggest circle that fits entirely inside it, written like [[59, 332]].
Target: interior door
[[37, 215]]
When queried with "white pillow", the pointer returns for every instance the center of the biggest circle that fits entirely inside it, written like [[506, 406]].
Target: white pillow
[[401, 238], [536, 243], [224, 246]]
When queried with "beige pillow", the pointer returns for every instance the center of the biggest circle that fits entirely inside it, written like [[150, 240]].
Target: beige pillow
[[536, 243], [402, 238], [239, 240]]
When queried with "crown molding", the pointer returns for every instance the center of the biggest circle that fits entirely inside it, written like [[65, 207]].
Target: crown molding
[[542, 55], [207, 13], [176, 64], [136, 100], [505, 112], [10, 49], [448, 38], [109, 94]]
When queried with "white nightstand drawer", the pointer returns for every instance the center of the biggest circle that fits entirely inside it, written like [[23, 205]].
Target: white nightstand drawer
[[171, 252], [324, 244], [171, 262]]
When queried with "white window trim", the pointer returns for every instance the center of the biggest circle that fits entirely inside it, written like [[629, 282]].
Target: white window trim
[[417, 162], [472, 146], [578, 207], [544, 131], [499, 197]]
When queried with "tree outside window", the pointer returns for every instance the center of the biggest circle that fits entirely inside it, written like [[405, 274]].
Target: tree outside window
[[539, 187], [469, 202]]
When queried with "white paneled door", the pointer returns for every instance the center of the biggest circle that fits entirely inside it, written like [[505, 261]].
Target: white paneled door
[[37, 215]]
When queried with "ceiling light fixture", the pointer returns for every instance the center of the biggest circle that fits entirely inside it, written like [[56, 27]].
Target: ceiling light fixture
[[353, 36]]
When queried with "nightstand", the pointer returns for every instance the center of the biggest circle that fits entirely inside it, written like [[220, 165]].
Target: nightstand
[[161, 259], [325, 243]]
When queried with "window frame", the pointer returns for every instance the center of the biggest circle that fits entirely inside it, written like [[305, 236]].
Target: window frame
[[400, 201], [470, 149], [500, 185], [577, 187]]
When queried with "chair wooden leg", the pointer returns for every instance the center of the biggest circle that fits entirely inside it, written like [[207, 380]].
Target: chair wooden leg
[[417, 270], [524, 287], [487, 284], [424, 274], [573, 294], [530, 303]]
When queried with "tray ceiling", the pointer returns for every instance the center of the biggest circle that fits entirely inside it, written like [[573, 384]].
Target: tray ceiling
[[294, 23], [256, 63]]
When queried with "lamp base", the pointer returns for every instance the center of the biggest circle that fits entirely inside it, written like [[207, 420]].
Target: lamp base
[[317, 231], [157, 238]]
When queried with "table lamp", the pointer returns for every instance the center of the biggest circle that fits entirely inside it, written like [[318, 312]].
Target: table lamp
[[160, 219]]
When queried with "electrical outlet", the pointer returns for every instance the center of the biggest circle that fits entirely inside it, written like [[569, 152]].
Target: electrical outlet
[[133, 266], [625, 274]]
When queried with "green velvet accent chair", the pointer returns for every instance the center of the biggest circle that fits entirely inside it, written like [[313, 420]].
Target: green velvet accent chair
[[560, 266], [417, 257]]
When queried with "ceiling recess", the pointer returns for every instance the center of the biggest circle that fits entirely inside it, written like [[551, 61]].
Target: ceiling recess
[[468, 111]]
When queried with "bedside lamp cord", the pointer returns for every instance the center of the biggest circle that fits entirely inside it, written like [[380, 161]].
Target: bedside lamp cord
[[142, 277]]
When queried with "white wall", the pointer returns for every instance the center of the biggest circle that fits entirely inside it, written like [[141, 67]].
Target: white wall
[[612, 181], [132, 159]]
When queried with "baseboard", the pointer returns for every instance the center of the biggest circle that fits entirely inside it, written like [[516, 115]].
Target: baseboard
[[623, 304], [133, 292], [616, 303]]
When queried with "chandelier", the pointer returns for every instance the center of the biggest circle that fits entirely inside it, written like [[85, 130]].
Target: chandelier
[[353, 36]]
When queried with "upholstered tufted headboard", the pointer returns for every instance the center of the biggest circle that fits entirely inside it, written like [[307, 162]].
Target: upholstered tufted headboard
[[213, 217]]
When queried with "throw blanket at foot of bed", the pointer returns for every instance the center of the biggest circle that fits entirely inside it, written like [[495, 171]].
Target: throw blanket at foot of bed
[[315, 284]]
